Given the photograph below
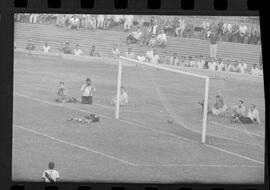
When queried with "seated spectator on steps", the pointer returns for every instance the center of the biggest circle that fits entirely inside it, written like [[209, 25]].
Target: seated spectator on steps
[[220, 66], [141, 56], [93, 52], [115, 51], [241, 68], [67, 49], [155, 57], [130, 53], [161, 39], [255, 70], [46, 48], [77, 50], [30, 45], [152, 41], [134, 37], [174, 60], [146, 36]]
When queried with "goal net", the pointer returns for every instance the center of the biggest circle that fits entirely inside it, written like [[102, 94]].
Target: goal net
[[162, 96]]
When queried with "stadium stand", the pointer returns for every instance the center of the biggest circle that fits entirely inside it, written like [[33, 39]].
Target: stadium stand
[[104, 40]]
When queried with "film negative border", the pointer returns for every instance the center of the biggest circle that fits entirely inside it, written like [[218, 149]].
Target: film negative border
[[169, 7]]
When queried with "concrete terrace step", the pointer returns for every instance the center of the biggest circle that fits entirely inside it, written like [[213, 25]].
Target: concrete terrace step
[[104, 39]]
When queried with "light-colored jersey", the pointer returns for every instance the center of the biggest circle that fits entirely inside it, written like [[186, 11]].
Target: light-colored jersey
[[54, 174], [87, 90]]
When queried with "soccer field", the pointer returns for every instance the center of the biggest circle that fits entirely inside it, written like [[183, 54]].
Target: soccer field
[[142, 146]]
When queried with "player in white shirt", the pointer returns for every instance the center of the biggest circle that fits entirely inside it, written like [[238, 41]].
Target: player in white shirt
[[123, 99], [46, 48], [51, 175], [253, 114], [77, 51], [87, 92]]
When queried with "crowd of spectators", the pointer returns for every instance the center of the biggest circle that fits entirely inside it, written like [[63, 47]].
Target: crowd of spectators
[[198, 62], [155, 29]]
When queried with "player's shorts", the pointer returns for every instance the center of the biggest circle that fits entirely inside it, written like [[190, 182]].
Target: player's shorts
[[87, 99]]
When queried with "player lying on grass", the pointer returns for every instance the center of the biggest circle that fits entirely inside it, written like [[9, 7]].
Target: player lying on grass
[[87, 91], [240, 115], [51, 175], [123, 99], [61, 93]]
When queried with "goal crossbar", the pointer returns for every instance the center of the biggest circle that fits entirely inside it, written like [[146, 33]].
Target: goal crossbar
[[206, 94]]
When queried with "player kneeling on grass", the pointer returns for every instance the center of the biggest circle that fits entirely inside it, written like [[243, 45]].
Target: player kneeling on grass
[[87, 92], [51, 175], [123, 99], [238, 111], [219, 108], [251, 117], [62, 97]]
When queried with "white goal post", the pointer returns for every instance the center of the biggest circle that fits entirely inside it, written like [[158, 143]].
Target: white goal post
[[206, 93]]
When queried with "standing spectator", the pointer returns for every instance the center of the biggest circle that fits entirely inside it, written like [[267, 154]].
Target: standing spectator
[[181, 27], [115, 51], [174, 60], [87, 92], [74, 23], [242, 32], [128, 22], [51, 175], [213, 44], [255, 70], [46, 48], [93, 52], [130, 53], [33, 18], [235, 33], [77, 50], [100, 21], [154, 27]]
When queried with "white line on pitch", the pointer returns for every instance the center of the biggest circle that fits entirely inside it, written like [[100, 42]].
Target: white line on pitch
[[199, 165], [210, 146], [74, 145]]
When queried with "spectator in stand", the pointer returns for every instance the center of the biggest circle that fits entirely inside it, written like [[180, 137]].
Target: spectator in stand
[[134, 37], [60, 20], [100, 21], [163, 58], [161, 39], [146, 36], [152, 41], [77, 51], [242, 32], [30, 45], [51, 175], [74, 23], [155, 58], [128, 22], [174, 60], [235, 32], [93, 52], [46, 48], [33, 18], [108, 21], [213, 43], [115, 51], [91, 22], [181, 27], [67, 49], [118, 19], [168, 26], [141, 56], [220, 66], [149, 55], [130, 53]]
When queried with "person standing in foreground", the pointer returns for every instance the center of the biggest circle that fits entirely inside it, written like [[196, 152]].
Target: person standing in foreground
[[87, 92], [51, 175], [213, 44]]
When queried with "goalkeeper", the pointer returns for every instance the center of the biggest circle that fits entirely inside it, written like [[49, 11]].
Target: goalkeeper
[[123, 99]]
